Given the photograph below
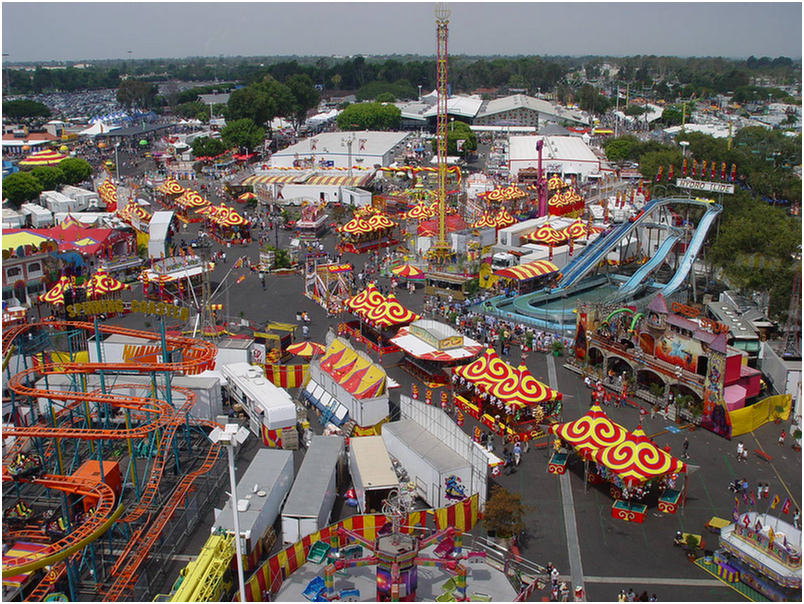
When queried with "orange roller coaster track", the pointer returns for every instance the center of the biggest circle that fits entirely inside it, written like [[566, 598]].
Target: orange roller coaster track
[[196, 356]]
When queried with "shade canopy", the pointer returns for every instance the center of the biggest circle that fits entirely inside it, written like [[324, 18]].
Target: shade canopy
[[46, 157], [408, 271], [377, 310], [529, 270], [305, 349], [170, 187]]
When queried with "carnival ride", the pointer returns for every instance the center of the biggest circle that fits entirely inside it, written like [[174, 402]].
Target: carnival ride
[[68, 427], [554, 308]]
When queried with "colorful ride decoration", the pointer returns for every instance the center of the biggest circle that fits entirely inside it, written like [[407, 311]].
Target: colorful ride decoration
[[509, 193], [98, 285], [306, 349], [506, 399], [328, 284], [527, 271], [371, 531], [107, 191], [408, 271], [369, 229], [420, 211], [500, 220], [637, 469]]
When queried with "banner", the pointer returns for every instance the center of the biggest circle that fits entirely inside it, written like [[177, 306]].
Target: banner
[[750, 418]]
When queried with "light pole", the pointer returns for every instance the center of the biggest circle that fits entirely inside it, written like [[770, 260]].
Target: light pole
[[231, 435], [420, 93], [348, 142], [117, 162]]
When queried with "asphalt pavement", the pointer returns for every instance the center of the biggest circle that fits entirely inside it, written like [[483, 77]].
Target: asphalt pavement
[[613, 554]]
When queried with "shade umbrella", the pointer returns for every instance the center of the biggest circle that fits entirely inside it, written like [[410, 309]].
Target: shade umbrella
[[408, 271], [143, 142], [306, 349]]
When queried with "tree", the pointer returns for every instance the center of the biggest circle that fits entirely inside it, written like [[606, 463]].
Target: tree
[[194, 110], [458, 131], [25, 108], [75, 169], [206, 146], [242, 133], [260, 102], [649, 163], [590, 100], [634, 109], [388, 97], [305, 97], [672, 115], [369, 116], [504, 513], [20, 187], [621, 148], [136, 93], [49, 177]]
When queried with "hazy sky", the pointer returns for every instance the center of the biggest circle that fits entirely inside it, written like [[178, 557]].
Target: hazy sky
[[35, 31]]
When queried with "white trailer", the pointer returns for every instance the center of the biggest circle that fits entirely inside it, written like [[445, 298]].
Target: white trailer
[[260, 494], [37, 215], [90, 199], [313, 494], [372, 473], [266, 405], [58, 202], [441, 476]]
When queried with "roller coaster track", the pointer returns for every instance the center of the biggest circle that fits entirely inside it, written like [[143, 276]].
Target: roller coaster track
[[126, 575], [196, 356]]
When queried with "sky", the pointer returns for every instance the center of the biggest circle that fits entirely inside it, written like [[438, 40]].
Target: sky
[[42, 31]]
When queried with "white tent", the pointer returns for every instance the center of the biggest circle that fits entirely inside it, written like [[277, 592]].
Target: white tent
[[95, 129]]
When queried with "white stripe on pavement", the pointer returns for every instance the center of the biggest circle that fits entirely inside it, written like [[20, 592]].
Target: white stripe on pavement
[[568, 504], [654, 581]]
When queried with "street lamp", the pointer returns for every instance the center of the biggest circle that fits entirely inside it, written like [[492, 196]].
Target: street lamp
[[117, 162], [230, 436], [684, 145]]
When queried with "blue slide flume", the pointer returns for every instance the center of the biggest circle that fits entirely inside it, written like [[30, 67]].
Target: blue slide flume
[[658, 257]]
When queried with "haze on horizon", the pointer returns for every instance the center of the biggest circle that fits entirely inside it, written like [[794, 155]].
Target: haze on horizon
[[73, 31]]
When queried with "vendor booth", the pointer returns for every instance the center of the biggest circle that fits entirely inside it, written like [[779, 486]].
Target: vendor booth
[[432, 348], [506, 399], [225, 225], [637, 471], [378, 319]]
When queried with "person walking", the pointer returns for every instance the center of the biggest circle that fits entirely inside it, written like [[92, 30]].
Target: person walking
[[517, 453], [305, 332], [782, 434], [740, 449], [685, 448]]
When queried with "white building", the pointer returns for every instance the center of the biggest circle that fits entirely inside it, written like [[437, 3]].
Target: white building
[[563, 155], [523, 110], [332, 149]]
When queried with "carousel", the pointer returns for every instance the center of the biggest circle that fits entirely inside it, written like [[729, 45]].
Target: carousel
[[553, 236], [637, 471], [563, 198], [506, 399], [67, 290], [501, 219], [378, 319], [329, 284], [368, 230], [432, 349], [225, 225]]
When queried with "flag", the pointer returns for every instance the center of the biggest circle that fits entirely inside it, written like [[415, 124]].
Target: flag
[[751, 499], [736, 502], [723, 171], [775, 502], [770, 537], [733, 172], [757, 525], [712, 172], [786, 506], [746, 521], [703, 169], [670, 173], [684, 167], [694, 167], [659, 173], [240, 279]]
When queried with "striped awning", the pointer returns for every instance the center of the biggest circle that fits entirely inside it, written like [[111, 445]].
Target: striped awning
[[264, 179], [530, 270]]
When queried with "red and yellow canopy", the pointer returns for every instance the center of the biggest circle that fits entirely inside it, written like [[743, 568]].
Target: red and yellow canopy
[[170, 187], [366, 221], [55, 295], [420, 211], [513, 386], [305, 349], [102, 283], [46, 157], [629, 455], [374, 308], [508, 193], [547, 235], [225, 216], [529, 270], [133, 210], [191, 199], [107, 191]]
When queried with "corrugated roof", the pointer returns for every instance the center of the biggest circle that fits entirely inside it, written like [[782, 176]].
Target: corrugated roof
[[426, 445], [374, 465], [311, 483]]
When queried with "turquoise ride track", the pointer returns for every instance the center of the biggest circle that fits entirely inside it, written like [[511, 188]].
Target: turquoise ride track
[[554, 309]]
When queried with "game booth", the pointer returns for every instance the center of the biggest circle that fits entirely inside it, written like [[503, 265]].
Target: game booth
[[506, 399], [528, 277], [637, 471], [378, 319], [174, 278], [368, 230], [432, 349], [225, 225]]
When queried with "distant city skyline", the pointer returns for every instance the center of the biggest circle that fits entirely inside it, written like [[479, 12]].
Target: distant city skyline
[[75, 31]]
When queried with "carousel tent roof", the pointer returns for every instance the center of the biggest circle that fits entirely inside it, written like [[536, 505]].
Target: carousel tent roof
[[513, 386], [590, 432], [529, 270]]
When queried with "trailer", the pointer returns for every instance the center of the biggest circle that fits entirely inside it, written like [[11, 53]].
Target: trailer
[[260, 494], [373, 475], [441, 476], [37, 215], [58, 202], [89, 199], [313, 494]]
